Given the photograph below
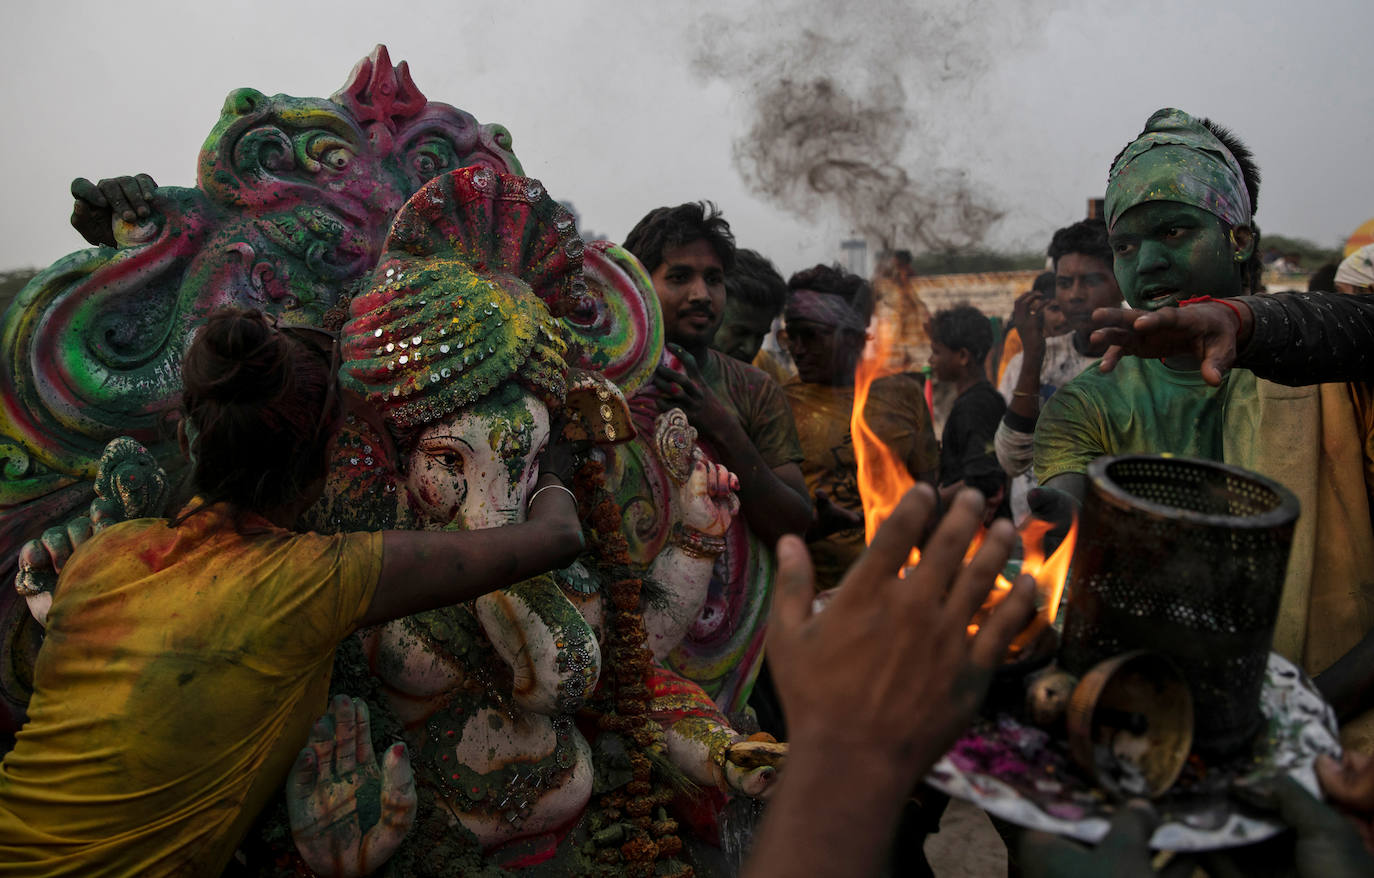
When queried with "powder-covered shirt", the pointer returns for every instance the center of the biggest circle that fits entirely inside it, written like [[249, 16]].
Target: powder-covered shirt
[[1141, 407], [896, 412], [1015, 440], [759, 404], [182, 670]]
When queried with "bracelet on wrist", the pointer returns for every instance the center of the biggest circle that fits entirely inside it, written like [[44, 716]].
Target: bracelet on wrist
[[695, 543], [1235, 312], [565, 490]]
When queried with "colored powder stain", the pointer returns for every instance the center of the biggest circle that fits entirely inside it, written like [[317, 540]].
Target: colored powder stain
[[185, 677], [153, 557], [369, 803], [494, 721]]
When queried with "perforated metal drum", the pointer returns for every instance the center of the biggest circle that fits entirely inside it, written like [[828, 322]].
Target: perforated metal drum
[[1185, 557]]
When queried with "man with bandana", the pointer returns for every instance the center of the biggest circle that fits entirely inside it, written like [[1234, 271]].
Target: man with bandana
[[1180, 204], [827, 316]]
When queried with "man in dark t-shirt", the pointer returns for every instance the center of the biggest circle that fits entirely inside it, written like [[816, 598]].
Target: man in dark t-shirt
[[959, 341], [737, 409]]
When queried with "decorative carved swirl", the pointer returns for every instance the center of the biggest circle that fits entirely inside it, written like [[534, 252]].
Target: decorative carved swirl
[[267, 148], [676, 443], [618, 325], [129, 484]]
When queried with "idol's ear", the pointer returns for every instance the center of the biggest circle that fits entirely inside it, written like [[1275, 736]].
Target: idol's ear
[[1242, 242]]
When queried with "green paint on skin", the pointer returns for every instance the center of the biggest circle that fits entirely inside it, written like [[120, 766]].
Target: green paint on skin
[[1167, 251], [369, 799]]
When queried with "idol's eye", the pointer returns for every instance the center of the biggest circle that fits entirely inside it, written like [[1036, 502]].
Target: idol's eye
[[331, 152], [432, 155], [447, 457]]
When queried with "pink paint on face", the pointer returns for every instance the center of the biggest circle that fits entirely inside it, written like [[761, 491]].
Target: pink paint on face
[[475, 469]]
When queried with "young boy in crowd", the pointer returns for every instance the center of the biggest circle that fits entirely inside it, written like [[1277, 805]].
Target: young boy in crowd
[[960, 338]]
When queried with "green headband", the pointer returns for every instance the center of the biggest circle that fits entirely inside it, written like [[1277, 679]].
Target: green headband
[[1177, 159]]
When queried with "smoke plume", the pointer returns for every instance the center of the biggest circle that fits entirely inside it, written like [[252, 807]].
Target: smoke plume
[[869, 111]]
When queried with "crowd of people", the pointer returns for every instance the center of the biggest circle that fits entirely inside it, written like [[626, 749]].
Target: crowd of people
[[1147, 333]]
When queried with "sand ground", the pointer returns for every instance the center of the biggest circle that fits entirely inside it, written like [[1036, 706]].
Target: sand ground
[[966, 846]]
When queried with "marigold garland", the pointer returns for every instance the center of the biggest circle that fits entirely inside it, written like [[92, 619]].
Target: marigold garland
[[624, 705]]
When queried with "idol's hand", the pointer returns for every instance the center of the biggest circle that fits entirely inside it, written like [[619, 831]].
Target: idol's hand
[[97, 205], [348, 815], [751, 767], [707, 499], [41, 560], [1210, 332]]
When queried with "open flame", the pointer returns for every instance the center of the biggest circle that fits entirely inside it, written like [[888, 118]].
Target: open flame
[[883, 479]]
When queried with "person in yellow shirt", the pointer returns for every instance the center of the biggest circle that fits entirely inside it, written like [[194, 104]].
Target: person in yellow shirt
[[186, 661]]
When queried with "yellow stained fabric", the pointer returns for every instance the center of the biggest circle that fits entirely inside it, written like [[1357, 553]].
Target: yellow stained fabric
[[182, 670], [896, 412], [1313, 440]]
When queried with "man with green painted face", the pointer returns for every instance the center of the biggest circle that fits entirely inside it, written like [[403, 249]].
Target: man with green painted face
[[1180, 204], [1178, 218]]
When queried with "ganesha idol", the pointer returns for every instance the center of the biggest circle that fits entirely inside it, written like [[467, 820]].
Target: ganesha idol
[[292, 205], [521, 708], [552, 724]]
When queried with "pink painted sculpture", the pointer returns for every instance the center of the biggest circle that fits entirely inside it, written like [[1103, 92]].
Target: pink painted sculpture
[[291, 214], [294, 197], [508, 704]]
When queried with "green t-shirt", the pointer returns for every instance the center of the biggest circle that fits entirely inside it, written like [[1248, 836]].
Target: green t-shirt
[[1142, 407]]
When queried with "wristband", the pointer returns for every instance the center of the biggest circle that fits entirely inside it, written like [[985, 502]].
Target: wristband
[[1240, 321], [547, 487]]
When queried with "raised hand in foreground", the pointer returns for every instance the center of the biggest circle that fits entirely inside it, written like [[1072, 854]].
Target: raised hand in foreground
[[879, 685]]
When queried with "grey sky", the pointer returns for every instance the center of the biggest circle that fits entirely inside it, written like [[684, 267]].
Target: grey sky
[[619, 107]]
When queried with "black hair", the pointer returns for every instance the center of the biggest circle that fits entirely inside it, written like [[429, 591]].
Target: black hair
[[1044, 282], [963, 328], [256, 401], [835, 280], [1249, 171], [1323, 279], [1088, 237], [664, 228], [756, 282]]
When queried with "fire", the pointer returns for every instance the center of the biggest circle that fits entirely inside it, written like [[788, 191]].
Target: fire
[[883, 479]]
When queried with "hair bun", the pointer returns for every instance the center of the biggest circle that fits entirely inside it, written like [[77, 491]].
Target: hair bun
[[239, 358]]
